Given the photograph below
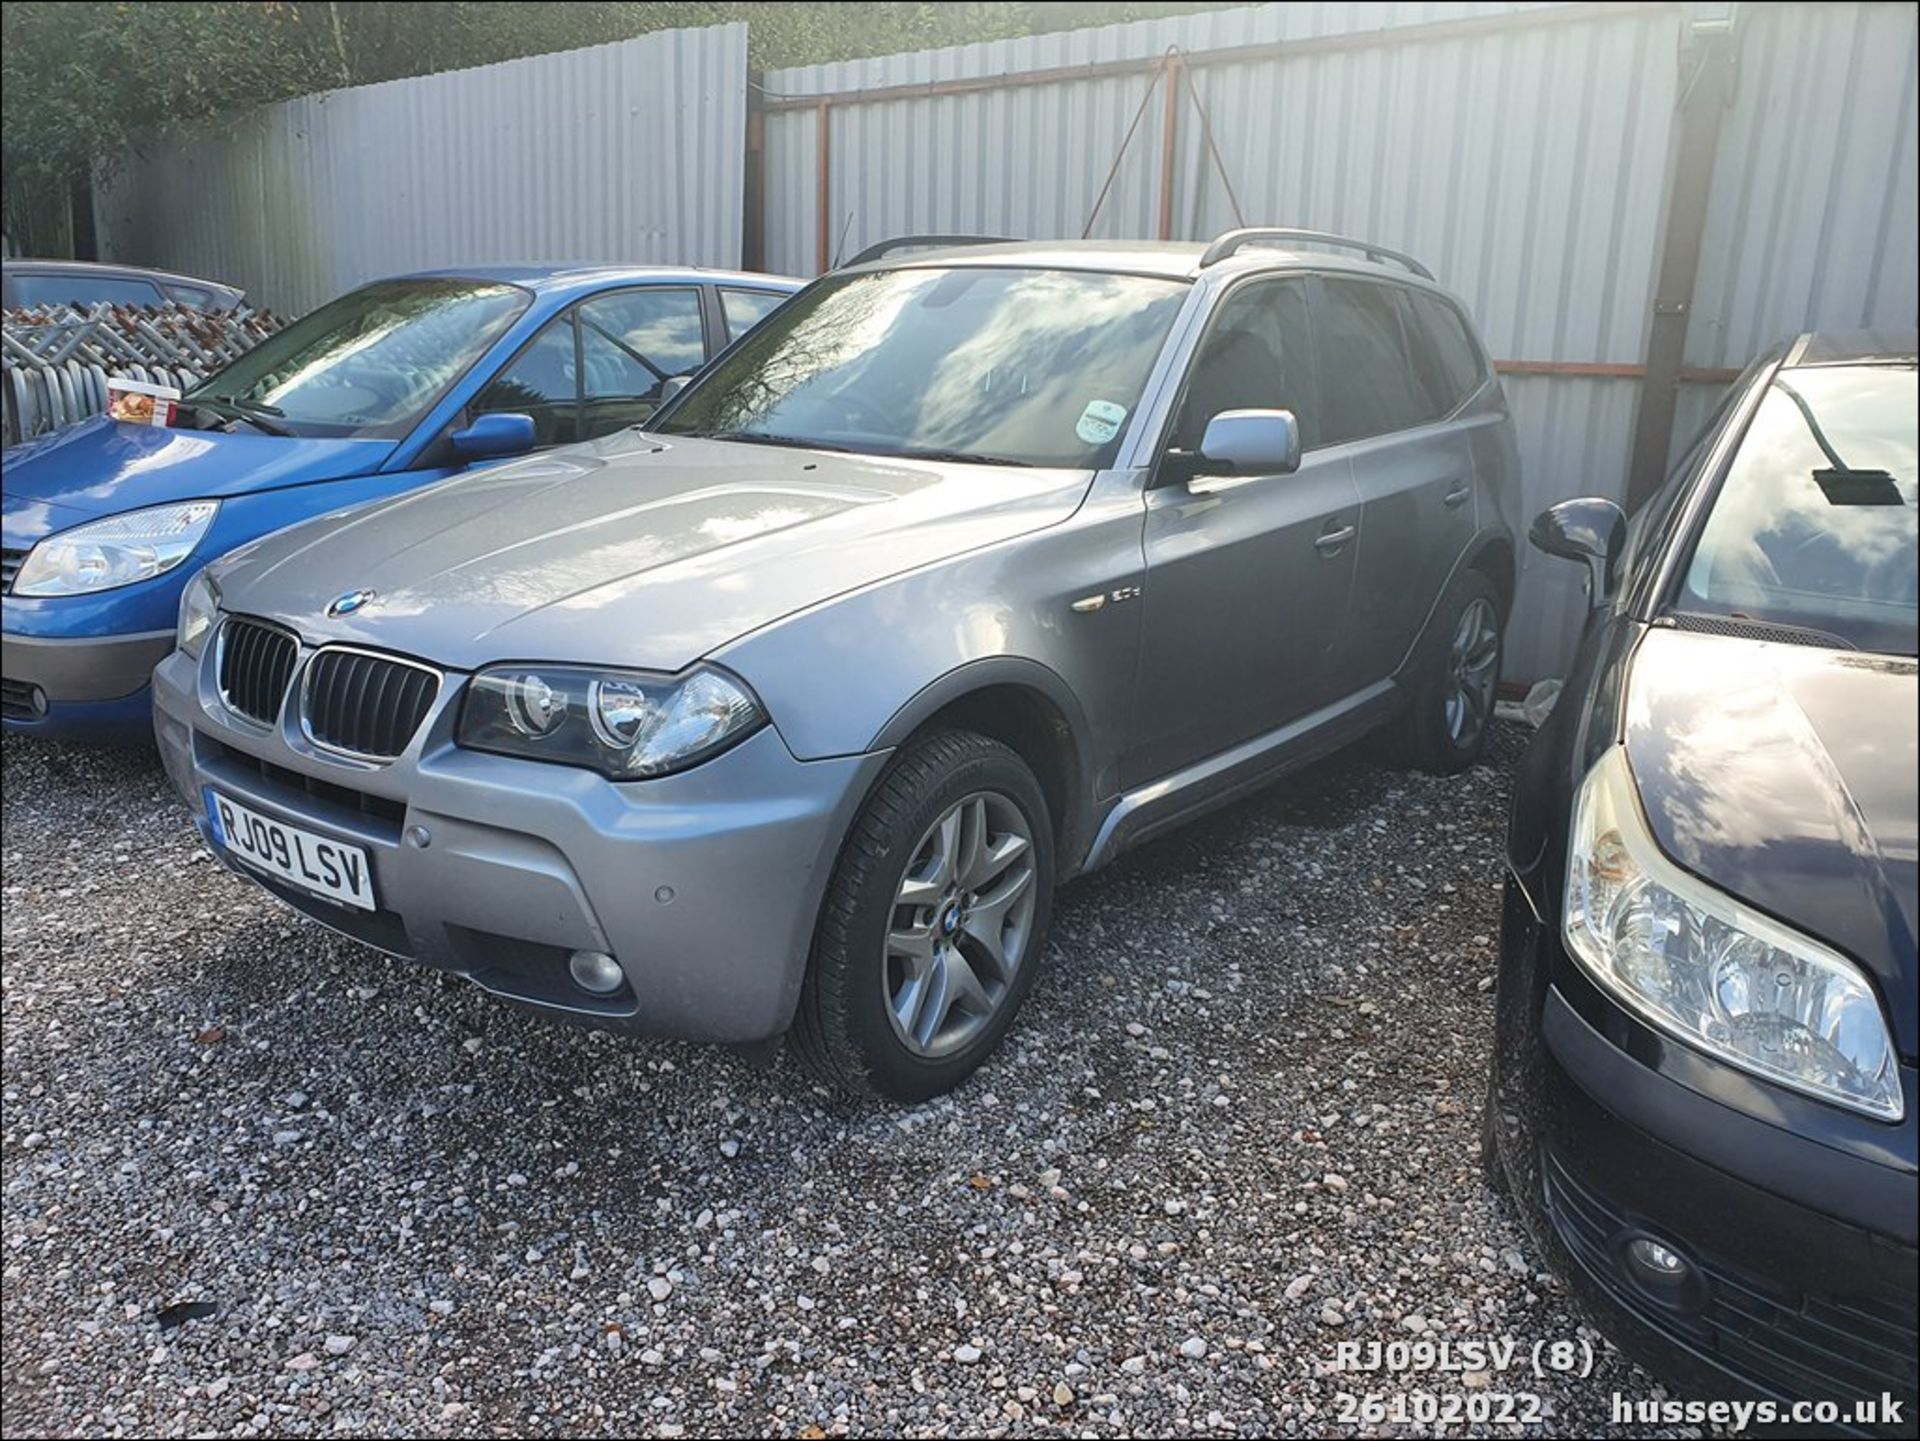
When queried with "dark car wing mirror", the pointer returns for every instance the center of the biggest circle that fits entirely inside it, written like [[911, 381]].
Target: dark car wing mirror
[[1247, 443], [1589, 529], [504, 432]]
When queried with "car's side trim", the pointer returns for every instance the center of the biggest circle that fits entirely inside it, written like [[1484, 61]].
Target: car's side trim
[[1173, 799]]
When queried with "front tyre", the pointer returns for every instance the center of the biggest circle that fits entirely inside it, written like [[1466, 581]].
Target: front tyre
[[1450, 712], [933, 922]]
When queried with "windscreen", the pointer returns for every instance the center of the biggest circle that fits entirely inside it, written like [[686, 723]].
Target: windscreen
[[1009, 366], [370, 363], [1814, 525]]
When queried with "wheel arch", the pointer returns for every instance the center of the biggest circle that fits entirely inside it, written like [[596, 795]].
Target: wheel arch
[[1031, 710], [1492, 554]]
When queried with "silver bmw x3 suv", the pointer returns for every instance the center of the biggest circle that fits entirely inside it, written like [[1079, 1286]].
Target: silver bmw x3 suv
[[960, 574]]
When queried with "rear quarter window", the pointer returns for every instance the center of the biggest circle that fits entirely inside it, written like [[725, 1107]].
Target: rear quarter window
[[1450, 364]]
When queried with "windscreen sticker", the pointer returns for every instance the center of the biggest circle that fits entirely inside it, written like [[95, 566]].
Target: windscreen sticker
[[1100, 422]]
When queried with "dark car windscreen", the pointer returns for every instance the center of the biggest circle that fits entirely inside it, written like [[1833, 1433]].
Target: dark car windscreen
[[370, 363], [1021, 366], [1814, 525]]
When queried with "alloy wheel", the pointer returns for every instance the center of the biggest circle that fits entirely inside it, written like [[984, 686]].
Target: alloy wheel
[[962, 916], [1473, 661]]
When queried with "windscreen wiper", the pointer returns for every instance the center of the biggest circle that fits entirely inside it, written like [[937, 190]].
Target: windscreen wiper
[[751, 437], [256, 413], [959, 457]]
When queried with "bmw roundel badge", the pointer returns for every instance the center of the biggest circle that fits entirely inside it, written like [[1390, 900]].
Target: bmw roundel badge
[[347, 604]]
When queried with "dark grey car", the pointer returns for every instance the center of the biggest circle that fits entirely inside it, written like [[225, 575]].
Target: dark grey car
[[959, 575]]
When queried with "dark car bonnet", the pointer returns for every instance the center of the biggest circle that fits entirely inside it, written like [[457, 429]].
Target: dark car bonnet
[[1785, 775]]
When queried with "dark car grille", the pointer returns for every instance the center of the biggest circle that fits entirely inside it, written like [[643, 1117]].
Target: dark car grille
[[291, 783], [1807, 1346], [368, 705], [16, 700], [256, 663], [10, 562]]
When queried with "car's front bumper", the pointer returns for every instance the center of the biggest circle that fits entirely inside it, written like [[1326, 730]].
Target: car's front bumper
[[59, 683], [1801, 1280], [704, 886]]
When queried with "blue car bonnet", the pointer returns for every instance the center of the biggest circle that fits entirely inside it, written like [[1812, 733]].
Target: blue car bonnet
[[103, 467]]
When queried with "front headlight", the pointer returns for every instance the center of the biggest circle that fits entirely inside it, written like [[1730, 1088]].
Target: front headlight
[[119, 550], [1715, 973], [199, 604], [628, 725]]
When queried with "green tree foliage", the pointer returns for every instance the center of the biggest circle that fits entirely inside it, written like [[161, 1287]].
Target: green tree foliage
[[86, 83]]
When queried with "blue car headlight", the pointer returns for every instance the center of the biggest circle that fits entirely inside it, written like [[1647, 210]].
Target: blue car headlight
[[119, 550], [1715, 973], [628, 725]]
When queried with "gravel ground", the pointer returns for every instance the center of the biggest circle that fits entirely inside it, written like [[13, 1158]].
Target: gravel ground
[[1236, 1124]]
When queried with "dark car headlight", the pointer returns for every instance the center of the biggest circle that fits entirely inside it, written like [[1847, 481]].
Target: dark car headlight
[[628, 725], [1717, 974], [115, 551]]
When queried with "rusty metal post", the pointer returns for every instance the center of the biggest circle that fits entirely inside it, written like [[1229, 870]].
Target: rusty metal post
[[823, 190], [753, 204], [1169, 133], [1702, 104]]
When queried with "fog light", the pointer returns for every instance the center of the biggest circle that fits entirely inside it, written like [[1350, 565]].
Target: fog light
[[596, 971], [37, 698], [1655, 1259]]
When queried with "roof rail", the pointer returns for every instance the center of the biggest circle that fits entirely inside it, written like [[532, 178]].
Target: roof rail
[[1231, 242], [923, 242]]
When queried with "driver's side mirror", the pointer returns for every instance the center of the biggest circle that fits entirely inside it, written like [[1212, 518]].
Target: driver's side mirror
[[1590, 529], [501, 433], [672, 386], [1250, 442]]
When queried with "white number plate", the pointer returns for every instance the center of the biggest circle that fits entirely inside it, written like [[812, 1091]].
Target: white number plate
[[316, 863]]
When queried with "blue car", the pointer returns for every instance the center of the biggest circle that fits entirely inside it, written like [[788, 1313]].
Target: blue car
[[395, 385]]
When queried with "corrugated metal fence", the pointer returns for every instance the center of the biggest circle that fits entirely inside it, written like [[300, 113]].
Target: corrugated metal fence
[[1521, 151], [630, 153]]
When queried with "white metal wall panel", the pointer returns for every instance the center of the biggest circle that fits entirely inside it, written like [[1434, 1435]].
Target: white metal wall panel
[[1811, 224], [1526, 163], [1024, 160], [629, 153]]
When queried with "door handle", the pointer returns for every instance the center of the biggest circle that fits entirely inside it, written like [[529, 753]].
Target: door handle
[[1459, 495], [1331, 541]]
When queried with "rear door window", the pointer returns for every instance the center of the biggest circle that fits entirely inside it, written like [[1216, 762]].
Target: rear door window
[[1366, 368], [631, 343], [747, 308]]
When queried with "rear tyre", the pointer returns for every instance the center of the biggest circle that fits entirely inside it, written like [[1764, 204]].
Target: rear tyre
[[1450, 711], [933, 924]]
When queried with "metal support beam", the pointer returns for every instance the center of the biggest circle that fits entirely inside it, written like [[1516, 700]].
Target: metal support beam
[[823, 183], [1169, 138], [753, 204], [1708, 85]]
